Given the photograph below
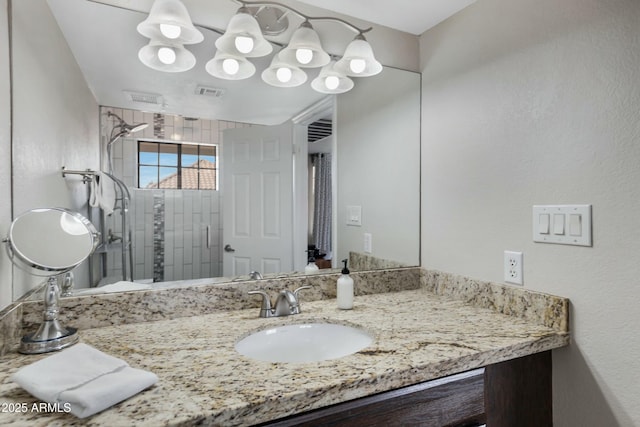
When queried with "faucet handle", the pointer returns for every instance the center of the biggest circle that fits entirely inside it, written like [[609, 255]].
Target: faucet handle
[[265, 309], [292, 298], [299, 289]]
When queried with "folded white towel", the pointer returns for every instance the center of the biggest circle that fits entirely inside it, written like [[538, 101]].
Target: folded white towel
[[103, 193], [83, 377], [107, 194], [94, 194]]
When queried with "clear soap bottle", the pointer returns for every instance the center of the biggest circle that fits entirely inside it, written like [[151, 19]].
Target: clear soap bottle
[[344, 289], [311, 267]]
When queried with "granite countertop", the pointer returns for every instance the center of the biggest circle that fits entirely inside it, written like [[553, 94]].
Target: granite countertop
[[419, 336]]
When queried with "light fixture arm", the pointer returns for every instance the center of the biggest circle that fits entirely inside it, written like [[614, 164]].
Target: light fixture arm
[[349, 25]]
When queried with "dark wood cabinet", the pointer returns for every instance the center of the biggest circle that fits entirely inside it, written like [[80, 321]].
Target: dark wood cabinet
[[518, 392], [514, 392]]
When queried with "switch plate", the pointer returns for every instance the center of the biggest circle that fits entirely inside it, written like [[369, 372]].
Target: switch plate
[[513, 267], [367, 243], [354, 215], [569, 224]]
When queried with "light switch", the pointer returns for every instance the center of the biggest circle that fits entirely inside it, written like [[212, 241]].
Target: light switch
[[543, 224], [354, 215], [562, 224], [558, 224], [575, 225]]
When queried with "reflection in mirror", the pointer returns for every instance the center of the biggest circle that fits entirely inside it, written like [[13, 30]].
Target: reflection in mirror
[[386, 134], [50, 242]]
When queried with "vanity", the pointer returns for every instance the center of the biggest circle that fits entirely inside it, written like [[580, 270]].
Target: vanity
[[441, 342]]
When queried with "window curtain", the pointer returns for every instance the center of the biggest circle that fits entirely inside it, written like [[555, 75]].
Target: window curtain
[[322, 202]]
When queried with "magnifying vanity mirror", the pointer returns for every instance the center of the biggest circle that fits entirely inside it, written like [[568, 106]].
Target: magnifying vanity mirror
[[50, 242]]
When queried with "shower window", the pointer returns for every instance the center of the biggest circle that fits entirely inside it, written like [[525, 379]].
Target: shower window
[[177, 166]]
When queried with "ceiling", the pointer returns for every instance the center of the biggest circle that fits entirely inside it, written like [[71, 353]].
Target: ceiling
[[411, 16], [103, 39]]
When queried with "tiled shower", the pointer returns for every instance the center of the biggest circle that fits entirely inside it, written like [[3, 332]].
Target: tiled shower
[[176, 234]]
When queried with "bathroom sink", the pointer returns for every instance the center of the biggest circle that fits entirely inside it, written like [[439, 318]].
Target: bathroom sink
[[308, 342]]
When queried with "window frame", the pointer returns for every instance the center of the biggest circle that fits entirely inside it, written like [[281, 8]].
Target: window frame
[[179, 167]]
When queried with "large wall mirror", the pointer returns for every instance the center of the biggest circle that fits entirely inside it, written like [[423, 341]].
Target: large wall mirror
[[76, 73]]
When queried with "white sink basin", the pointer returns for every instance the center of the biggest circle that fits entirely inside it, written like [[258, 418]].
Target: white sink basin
[[309, 342]]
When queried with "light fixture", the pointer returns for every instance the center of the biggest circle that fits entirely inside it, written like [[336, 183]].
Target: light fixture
[[358, 59], [282, 74], [170, 20], [304, 49], [169, 27], [230, 67], [331, 81], [244, 37], [171, 58]]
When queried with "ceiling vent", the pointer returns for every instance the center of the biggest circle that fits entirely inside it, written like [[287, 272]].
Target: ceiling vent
[[144, 98], [209, 91], [319, 129]]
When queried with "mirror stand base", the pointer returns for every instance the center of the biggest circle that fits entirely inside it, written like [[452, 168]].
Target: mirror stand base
[[31, 344]]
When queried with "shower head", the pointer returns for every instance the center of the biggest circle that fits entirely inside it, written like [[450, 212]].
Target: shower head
[[136, 128], [123, 128]]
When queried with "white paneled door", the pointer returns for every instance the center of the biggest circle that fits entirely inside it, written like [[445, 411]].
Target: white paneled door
[[257, 190]]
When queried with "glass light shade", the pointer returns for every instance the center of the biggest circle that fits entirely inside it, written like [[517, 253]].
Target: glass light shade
[[275, 74], [230, 67], [244, 25], [331, 81], [157, 55], [358, 59], [164, 17], [305, 40]]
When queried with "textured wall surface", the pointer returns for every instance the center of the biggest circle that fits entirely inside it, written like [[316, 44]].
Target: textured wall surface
[[378, 165], [538, 102], [55, 122], [5, 152]]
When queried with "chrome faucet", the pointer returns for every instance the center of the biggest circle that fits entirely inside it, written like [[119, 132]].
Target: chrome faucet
[[255, 275], [286, 304]]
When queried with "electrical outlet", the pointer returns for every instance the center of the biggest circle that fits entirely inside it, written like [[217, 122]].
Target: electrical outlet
[[513, 267], [367, 243]]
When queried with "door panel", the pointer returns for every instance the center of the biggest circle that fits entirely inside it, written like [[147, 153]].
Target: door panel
[[257, 189]]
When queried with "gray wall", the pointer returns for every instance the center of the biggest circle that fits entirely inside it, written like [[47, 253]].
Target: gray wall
[[55, 123], [538, 102], [378, 165], [5, 153]]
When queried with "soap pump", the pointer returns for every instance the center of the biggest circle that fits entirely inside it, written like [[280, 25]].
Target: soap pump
[[311, 268], [345, 289]]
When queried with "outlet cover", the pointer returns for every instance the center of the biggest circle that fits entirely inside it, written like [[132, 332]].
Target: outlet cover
[[367, 243], [513, 267]]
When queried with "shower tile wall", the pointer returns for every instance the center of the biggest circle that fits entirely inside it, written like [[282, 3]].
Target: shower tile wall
[[187, 253]]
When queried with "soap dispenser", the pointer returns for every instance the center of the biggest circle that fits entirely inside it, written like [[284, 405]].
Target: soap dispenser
[[311, 268], [345, 289]]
